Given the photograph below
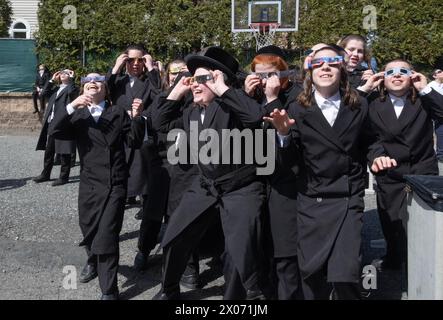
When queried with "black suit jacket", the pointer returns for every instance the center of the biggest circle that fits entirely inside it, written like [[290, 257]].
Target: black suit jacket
[[331, 186], [42, 82], [101, 147], [408, 139], [331, 163], [64, 144], [145, 89], [226, 112]]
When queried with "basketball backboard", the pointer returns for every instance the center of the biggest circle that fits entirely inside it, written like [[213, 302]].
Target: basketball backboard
[[246, 12]]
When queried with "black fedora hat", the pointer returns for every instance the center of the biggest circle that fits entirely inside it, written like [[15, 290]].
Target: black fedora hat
[[272, 51], [214, 58]]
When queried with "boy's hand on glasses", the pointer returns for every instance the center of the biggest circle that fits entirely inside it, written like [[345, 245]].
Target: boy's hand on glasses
[[217, 84], [367, 74], [180, 89], [272, 88], [56, 76], [149, 62], [82, 101], [252, 81], [373, 82], [121, 60], [419, 81]]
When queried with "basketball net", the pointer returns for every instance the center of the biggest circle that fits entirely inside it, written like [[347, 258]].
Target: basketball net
[[264, 33]]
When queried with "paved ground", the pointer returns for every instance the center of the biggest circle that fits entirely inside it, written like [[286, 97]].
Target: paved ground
[[39, 233]]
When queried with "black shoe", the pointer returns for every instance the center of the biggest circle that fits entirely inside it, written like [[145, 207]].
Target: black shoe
[[89, 272], [40, 178], [255, 293], [131, 201], [385, 263], [139, 214], [175, 295], [59, 182], [112, 296], [35, 111], [141, 261], [190, 281]]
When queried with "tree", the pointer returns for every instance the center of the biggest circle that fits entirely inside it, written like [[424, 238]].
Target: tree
[[104, 28], [172, 28], [405, 29], [5, 18]]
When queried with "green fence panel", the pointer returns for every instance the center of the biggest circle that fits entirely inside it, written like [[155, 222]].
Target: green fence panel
[[18, 65]]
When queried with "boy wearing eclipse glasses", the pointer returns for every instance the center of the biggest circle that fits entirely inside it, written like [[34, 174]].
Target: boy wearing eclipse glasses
[[401, 118]]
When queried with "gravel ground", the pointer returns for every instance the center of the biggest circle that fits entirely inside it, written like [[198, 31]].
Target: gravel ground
[[39, 234]]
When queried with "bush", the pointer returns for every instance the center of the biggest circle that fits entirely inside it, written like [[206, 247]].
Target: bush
[[5, 18]]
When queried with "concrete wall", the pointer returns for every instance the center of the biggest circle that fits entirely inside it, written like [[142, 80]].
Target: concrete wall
[[16, 113]]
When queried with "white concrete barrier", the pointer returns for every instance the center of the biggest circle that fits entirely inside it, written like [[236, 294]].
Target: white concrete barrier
[[425, 250]]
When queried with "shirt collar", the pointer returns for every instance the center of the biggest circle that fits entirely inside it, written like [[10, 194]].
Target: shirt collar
[[335, 99], [400, 100], [62, 86], [99, 107]]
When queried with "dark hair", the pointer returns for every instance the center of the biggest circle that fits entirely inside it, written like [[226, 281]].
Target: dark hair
[[138, 47], [107, 91], [412, 94], [350, 96]]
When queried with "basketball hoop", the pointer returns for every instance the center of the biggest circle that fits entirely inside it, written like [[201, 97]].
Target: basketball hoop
[[264, 33]]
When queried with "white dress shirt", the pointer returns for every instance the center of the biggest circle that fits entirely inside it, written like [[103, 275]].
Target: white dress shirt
[[398, 103], [131, 81], [96, 110], [329, 107], [437, 86], [202, 114], [62, 86]]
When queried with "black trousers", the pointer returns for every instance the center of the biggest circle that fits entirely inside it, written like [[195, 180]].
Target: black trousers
[[177, 253], [317, 288], [148, 236], [288, 278], [107, 270], [391, 207], [48, 162], [36, 97]]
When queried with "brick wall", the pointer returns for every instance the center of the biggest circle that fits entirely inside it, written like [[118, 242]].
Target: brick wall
[[16, 113]]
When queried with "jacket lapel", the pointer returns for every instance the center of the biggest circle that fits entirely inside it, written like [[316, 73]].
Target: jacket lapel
[[409, 113], [61, 93], [210, 112], [344, 119], [315, 119], [106, 124], [138, 90], [386, 113]]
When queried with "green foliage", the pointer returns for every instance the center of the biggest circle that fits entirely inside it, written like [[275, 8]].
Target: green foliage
[[104, 28], [171, 28], [405, 29], [5, 17]]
